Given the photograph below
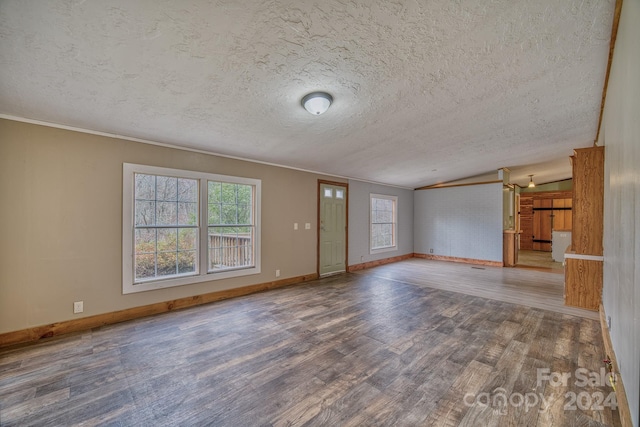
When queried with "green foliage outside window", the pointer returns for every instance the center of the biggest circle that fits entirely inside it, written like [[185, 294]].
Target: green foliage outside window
[[230, 225]]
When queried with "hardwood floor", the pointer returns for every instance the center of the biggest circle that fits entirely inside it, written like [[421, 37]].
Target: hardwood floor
[[370, 348], [531, 287], [539, 259]]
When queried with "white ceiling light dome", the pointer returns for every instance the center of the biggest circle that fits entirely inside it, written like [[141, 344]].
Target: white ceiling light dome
[[317, 102]]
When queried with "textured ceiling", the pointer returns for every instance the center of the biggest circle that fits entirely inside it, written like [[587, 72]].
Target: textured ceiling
[[424, 91]]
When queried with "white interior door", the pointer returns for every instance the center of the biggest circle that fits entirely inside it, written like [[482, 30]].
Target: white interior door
[[333, 229]]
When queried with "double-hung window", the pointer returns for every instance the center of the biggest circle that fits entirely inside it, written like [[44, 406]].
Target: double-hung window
[[231, 232], [383, 223], [182, 227]]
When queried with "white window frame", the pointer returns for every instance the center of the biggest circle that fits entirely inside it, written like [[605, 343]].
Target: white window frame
[[201, 275], [394, 246]]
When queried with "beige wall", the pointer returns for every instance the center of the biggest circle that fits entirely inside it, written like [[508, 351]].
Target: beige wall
[[61, 219]]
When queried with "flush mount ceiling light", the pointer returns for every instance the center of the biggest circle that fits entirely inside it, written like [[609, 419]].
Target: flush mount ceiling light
[[317, 102], [531, 183]]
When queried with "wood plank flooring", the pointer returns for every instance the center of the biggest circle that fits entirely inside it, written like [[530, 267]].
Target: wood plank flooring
[[539, 259], [532, 287], [363, 349]]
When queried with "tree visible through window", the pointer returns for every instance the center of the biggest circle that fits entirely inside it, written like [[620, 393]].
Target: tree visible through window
[[182, 227], [383, 222], [166, 226], [230, 225]]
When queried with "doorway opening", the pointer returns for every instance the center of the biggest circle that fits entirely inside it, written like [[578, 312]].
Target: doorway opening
[[545, 229]]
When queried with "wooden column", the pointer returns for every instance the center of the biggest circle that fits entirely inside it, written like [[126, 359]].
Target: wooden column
[[510, 248], [583, 268], [588, 201]]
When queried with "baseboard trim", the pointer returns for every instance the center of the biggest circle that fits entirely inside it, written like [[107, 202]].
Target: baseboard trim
[[462, 260], [621, 395], [60, 328], [378, 262]]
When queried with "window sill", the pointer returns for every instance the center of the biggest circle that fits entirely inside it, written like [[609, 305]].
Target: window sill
[[382, 250]]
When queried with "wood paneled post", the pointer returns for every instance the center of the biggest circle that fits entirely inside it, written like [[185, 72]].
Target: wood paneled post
[[510, 248], [588, 200], [583, 270]]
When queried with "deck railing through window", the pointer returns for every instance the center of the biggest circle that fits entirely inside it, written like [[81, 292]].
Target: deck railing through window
[[230, 251]]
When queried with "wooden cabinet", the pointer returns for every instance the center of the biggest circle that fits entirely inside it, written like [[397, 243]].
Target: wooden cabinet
[[562, 214], [583, 264]]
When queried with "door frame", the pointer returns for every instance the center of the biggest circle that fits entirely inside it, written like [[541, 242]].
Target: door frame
[[346, 229]]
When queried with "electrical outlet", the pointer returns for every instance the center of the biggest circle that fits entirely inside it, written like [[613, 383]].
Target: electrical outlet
[[609, 323], [307, 226], [78, 307], [430, 251], [295, 225], [277, 273]]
